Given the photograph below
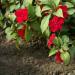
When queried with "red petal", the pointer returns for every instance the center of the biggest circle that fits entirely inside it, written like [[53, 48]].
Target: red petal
[[50, 41], [21, 32], [25, 13], [58, 58], [18, 12], [19, 19]]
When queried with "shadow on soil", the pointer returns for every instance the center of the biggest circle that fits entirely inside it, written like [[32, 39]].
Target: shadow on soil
[[30, 61]]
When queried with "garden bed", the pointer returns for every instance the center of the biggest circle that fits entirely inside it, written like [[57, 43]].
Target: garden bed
[[30, 61], [35, 35]]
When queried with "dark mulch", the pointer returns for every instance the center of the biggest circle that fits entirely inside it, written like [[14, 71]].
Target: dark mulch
[[31, 60]]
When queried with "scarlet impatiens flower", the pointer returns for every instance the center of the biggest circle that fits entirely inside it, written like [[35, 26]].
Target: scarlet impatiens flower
[[55, 23], [64, 9], [21, 15], [50, 41], [58, 57], [21, 32]]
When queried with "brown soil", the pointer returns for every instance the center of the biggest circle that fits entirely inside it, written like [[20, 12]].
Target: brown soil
[[30, 61]]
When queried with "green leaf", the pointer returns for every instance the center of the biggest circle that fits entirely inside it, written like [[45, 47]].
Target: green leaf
[[73, 1], [38, 11], [72, 51], [36, 26], [45, 8], [12, 16], [71, 11], [1, 16], [65, 56], [26, 3], [11, 36], [19, 27], [52, 52], [44, 1], [12, 8], [65, 47], [31, 11], [17, 6], [56, 41], [27, 34], [73, 40], [3, 1], [7, 30], [29, 1], [58, 13], [44, 23], [47, 32], [60, 41], [1, 24], [56, 2], [11, 1], [65, 39], [69, 5], [48, 2]]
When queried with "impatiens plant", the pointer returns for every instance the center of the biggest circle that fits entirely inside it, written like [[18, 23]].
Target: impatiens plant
[[20, 19]]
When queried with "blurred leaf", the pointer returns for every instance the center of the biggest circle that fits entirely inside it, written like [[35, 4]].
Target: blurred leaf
[[73, 1], [71, 11], [65, 47], [31, 11], [3, 1], [47, 32], [72, 51], [69, 5], [17, 6], [38, 11], [12, 17], [1, 16], [44, 23], [28, 34], [58, 13], [11, 36], [65, 39], [45, 8], [64, 30], [19, 26], [52, 52], [26, 3], [29, 1], [11, 1], [56, 41], [7, 30], [1, 19], [12, 8], [44, 1], [17, 42], [56, 2], [65, 56], [60, 41], [36, 26]]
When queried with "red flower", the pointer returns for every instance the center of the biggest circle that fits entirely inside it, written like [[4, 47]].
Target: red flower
[[58, 58], [22, 15], [55, 23], [21, 32], [64, 9], [50, 41]]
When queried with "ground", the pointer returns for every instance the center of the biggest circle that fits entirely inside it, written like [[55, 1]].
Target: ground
[[30, 61]]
